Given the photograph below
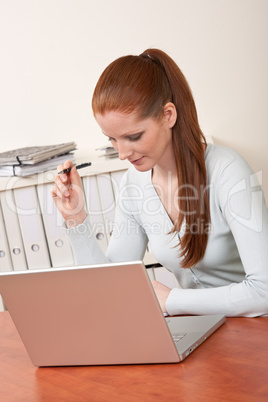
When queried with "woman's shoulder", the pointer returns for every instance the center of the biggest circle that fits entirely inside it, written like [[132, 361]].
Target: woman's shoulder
[[220, 159], [220, 154]]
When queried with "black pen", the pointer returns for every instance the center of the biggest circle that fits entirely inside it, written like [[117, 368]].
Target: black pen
[[83, 165]]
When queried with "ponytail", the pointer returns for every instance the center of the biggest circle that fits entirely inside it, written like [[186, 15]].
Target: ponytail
[[189, 144]]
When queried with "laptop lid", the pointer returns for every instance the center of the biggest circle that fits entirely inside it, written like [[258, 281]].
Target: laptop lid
[[94, 315]]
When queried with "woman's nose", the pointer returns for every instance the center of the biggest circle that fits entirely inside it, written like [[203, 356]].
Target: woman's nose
[[124, 151]]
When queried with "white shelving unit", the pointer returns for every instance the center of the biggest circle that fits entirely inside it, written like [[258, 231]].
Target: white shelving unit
[[32, 236]]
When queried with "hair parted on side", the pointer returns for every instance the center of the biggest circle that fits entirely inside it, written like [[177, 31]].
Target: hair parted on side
[[144, 84]]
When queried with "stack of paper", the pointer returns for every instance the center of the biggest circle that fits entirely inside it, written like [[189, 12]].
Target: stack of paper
[[108, 151], [32, 160]]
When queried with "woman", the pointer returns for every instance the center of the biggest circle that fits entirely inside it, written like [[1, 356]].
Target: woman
[[196, 203]]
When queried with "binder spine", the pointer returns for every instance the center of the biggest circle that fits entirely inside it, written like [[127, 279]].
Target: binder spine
[[5, 259], [107, 202], [13, 231], [94, 210], [32, 229], [58, 243]]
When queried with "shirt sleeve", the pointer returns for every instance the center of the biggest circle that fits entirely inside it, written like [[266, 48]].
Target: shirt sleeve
[[243, 207]]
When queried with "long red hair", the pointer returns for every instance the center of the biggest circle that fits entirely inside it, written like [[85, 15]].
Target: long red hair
[[144, 84]]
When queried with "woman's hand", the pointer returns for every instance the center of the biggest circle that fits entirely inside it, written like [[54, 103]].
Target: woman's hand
[[162, 293], [68, 196]]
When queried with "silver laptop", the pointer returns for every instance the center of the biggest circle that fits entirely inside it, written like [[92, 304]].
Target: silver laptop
[[98, 315]]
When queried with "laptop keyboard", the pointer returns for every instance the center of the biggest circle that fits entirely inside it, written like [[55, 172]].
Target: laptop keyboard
[[177, 337]]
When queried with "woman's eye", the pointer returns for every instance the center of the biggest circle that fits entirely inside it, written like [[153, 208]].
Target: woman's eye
[[136, 138], [111, 139]]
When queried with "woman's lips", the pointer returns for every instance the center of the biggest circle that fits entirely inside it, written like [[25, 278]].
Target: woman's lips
[[137, 161]]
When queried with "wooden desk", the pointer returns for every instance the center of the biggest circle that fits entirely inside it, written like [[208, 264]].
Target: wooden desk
[[232, 365]]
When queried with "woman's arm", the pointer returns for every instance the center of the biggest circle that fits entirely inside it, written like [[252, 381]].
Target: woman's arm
[[128, 241], [243, 207]]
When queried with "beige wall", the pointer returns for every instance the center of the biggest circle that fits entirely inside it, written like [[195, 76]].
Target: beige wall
[[52, 52]]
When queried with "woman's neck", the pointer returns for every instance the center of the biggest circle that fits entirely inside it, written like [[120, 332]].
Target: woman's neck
[[166, 167]]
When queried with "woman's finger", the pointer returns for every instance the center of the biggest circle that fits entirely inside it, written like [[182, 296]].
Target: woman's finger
[[62, 187], [56, 192]]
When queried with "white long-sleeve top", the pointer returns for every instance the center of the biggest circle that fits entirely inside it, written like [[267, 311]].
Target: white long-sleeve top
[[232, 278]]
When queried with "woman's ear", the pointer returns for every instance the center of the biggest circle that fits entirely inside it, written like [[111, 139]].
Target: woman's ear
[[170, 114]]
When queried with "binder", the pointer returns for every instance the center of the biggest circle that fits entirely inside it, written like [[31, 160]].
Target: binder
[[35, 154], [32, 229], [5, 259], [116, 178], [94, 210], [107, 200], [13, 232], [35, 159], [58, 243]]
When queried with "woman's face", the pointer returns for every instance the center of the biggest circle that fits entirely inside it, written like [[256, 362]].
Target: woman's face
[[144, 143]]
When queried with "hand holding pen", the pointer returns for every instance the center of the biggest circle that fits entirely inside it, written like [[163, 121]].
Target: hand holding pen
[[68, 195], [83, 165]]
